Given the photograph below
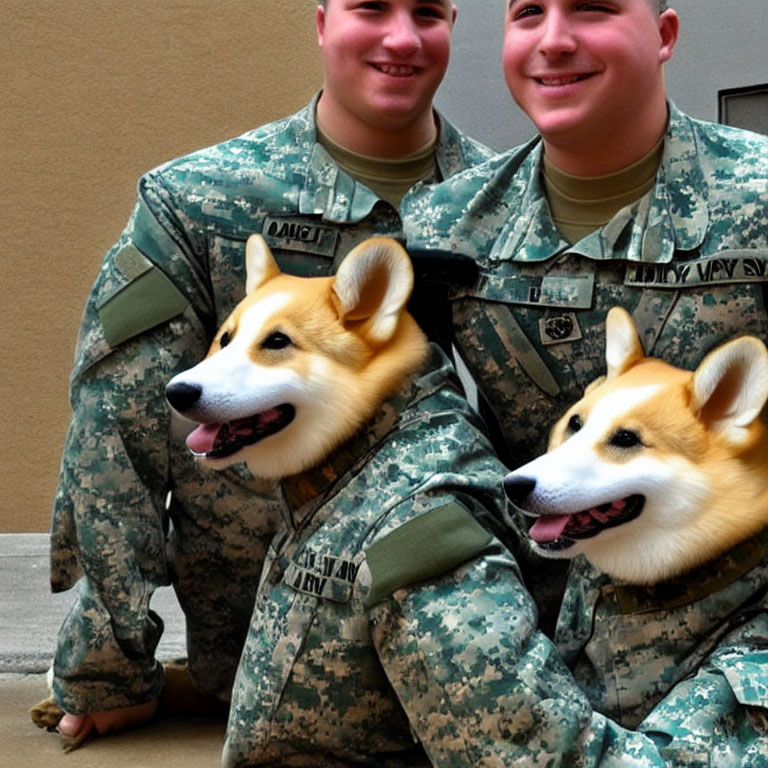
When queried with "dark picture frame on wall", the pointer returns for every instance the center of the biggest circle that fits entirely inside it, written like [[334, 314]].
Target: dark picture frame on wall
[[745, 107]]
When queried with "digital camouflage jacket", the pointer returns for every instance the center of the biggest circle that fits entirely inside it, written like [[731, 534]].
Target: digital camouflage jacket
[[163, 289], [390, 627], [446, 649], [689, 260]]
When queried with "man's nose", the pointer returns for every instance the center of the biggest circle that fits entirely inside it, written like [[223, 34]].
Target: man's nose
[[402, 35], [557, 35]]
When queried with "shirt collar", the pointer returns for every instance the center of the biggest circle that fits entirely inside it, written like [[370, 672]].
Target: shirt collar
[[333, 194], [673, 215]]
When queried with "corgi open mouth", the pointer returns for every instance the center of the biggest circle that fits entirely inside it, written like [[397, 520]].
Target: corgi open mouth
[[558, 532], [217, 441]]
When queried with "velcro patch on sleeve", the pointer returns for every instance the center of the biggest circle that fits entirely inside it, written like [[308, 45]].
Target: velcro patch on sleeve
[[148, 299], [423, 548]]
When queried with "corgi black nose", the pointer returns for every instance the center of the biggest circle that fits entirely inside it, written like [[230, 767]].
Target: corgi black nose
[[182, 396], [518, 487]]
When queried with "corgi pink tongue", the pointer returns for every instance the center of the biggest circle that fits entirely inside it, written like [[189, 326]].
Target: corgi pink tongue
[[548, 528], [201, 440]]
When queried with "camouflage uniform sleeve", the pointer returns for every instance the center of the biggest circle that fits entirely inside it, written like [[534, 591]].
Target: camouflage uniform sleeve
[[482, 686], [722, 710], [142, 323]]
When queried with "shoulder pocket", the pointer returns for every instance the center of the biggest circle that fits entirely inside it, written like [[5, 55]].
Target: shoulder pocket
[[422, 548], [146, 300]]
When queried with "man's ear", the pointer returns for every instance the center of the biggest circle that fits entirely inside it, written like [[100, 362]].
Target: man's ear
[[320, 23], [669, 28]]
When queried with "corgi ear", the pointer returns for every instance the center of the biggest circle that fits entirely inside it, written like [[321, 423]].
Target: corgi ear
[[260, 264], [373, 285], [730, 387], [622, 344]]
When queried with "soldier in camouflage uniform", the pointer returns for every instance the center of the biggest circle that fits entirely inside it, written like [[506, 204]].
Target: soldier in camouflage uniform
[[684, 664], [173, 276], [404, 623]]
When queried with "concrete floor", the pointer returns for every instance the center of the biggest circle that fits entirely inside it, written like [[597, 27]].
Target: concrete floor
[[29, 620], [172, 743]]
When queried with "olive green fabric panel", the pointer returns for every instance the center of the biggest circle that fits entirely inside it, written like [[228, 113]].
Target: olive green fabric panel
[[423, 548], [149, 299]]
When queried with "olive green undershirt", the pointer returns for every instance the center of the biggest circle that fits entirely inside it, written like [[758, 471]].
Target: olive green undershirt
[[580, 204], [390, 179]]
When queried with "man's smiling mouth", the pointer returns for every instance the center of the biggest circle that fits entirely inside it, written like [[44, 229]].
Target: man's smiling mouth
[[397, 70], [566, 80]]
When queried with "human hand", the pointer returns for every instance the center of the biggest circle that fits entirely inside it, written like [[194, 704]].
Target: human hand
[[75, 729]]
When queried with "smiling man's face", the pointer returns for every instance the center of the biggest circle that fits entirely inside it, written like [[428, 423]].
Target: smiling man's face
[[585, 70], [383, 60]]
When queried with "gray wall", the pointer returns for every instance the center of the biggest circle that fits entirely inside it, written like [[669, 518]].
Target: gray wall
[[723, 44]]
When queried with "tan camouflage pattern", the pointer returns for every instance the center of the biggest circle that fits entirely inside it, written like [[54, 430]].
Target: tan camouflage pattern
[[690, 261], [175, 273]]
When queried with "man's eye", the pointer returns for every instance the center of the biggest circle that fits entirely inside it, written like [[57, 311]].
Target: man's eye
[[526, 10], [596, 7], [430, 12]]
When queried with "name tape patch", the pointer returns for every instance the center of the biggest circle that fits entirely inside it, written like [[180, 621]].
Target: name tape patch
[[300, 235], [322, 575], [725, 267]]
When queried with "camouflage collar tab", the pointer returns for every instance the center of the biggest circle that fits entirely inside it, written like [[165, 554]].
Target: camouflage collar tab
[[449, 152], [697, 584], [332, 192]]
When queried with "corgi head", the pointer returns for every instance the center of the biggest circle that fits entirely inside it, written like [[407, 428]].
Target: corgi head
[[302, 363], [655, 470]]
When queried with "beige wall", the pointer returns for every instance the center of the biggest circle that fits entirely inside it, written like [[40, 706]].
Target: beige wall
[[93, 93]]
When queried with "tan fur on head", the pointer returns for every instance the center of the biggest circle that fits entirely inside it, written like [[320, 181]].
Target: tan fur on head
[[332, 349], [692, 445]]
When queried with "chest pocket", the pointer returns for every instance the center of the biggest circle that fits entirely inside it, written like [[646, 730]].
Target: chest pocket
[[532, 335], [686, 308], [532, 339]]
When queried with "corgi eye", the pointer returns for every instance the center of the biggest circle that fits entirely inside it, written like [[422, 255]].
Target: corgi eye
[[575, 423], [276, 340], [225, 338], [625, 438]]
